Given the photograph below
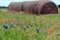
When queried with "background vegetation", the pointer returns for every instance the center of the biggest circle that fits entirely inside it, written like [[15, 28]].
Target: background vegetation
[[21, 26]]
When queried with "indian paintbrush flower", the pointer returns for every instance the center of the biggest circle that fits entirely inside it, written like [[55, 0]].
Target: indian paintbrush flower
[[4, 19], [49, 30], [58, 30]]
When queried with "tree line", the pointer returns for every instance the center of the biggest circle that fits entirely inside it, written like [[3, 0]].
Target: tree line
[[58, 5], [3, 7]]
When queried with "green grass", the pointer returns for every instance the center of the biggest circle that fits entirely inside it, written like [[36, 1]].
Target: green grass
[[33, 21]]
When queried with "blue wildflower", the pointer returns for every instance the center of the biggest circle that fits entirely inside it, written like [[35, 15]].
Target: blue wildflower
[[5, 26], [31, 23], [49, 39], [35, 35], [44, 33], [31, 28], [58, 34], [37, 29], [27, 26], [24, 28], [12, 25]]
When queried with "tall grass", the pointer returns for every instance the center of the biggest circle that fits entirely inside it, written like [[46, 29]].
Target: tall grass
[[29, 26]]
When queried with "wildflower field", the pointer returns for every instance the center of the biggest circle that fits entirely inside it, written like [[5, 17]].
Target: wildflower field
[[21, 26]]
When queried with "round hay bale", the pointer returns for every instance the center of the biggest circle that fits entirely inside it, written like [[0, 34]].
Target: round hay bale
[[26, 6], [50, 7], [45, 7], [33, 7], [36, 7], [15, 6], [20, 6], [10, 6]]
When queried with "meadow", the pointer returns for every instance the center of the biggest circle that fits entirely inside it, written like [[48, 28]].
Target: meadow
[[21, 26]]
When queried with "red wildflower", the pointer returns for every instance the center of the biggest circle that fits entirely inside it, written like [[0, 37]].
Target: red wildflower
[[49, 30]]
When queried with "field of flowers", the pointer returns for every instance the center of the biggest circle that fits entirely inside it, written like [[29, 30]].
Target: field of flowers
[[20, 26]]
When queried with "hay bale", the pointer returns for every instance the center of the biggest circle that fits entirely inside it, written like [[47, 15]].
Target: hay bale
[[10, 6], [26, 6], [32, 6], [36, 7], [45, 7], [40, 7], [51, 8], [15, 6]]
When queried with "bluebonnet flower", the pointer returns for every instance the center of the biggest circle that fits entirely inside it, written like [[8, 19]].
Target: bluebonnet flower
[[37, 29], [31, 28], [12, 25], [27, 26], [30, 24], [58, 34], [49, 39], [5, 26], [35, 35], [24, 28]]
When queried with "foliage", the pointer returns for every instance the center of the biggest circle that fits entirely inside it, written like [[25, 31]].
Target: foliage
[[29, 26]]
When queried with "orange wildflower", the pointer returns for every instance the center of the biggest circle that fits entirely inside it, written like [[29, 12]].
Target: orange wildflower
[[59, 24], [55, 24], [31, 34], [14, 20], [4, 19], [49, 30], [0, 20], [22, 21], [59, 30], [54, 28]]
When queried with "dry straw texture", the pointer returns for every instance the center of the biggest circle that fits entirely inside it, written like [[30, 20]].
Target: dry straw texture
[[36, 7]]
